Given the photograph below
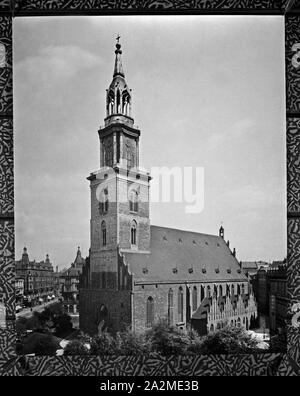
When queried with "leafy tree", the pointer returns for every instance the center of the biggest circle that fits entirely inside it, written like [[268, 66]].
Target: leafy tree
[[21, 326], [104, 344], [46, 345], [76, 347], [278, 343], [130, 343], [62, 323], [167, 339], [230, 339]]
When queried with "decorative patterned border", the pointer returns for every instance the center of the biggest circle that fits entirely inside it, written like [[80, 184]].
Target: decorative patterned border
[[40, 7], [261, 364]]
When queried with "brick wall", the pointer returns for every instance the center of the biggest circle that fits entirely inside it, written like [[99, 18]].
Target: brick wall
[[118, 304]]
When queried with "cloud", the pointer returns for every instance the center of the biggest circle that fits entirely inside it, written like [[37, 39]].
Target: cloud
[[250, 197], [56, 63], [239, 130]]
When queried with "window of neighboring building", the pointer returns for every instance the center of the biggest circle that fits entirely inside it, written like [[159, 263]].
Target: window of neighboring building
[[133, 233], [150, 312], [170, 306], [195, 298], [180, 304], [133, 201], [103, 229]]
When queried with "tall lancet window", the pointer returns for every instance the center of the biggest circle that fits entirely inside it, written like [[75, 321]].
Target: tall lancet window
[[133, 233], [103, 204], [133, 201], [180, 304], [195, 298], [103, 231], [150, 312], [170, 307]]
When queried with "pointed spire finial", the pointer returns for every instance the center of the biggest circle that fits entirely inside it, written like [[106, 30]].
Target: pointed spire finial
[[118, 62]]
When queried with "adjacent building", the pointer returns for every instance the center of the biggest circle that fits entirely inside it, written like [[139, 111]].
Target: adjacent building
[[250, 268], [270, 290], [34, 280], [138, 273], [69, 283]]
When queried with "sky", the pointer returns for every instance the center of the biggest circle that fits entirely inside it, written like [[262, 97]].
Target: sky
[[208, 91]]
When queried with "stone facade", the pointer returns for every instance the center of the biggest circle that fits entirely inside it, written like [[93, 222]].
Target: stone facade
[[38, 278]]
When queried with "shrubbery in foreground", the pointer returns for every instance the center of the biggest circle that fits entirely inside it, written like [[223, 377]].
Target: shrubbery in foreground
[[168, 340]]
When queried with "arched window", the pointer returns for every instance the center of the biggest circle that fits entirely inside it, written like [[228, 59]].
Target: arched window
[[103, 230], [103, 205], [180, 304], [211, 328], [232, 290], [133, 201], [243, 289], [208, 293], [202, 293], [227, 290], [170, 306], [220, 291], [247, 324], [195, 298], [239, 322], [238, 290], [118, 101], [150, 312], [133, 233], [215, 291]]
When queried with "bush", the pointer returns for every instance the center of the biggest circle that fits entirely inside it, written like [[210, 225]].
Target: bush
[[278, 343], [21, 326], [46, 345], [76, 347], [167, 340], [130, 343], [228, 340], [104, 344], [62, 323]]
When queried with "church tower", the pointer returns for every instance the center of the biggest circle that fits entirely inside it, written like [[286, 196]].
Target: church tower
[[119, 190]]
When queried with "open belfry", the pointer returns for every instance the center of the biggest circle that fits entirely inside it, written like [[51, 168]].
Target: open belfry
[[137, 273]]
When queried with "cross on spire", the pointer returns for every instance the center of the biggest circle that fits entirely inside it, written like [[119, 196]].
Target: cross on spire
[[118, 38]]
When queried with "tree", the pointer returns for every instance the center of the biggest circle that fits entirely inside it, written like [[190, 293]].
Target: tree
[[167, 339], [76, 347], [21, 326], [278, 343], [62, 323], [45, 345], [230, 339], [130, 343], [104, 344]]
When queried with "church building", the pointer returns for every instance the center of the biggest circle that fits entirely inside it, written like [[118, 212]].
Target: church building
[[137, 273]]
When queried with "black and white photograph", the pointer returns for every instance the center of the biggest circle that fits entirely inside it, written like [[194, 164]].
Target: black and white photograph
[[150, 185]]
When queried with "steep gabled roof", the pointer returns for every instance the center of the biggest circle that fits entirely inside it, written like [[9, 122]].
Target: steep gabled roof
[[183, 256]]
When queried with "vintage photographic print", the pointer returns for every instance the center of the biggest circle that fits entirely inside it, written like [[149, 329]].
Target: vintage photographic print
[[150, 183]]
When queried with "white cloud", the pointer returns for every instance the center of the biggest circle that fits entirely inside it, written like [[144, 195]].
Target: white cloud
[[239, 130], [56, 63]]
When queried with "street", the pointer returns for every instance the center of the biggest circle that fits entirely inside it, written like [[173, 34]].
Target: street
[[26, 312]]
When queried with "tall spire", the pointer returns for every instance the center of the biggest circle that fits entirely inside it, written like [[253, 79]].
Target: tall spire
[[118, 95], [118, 70]]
